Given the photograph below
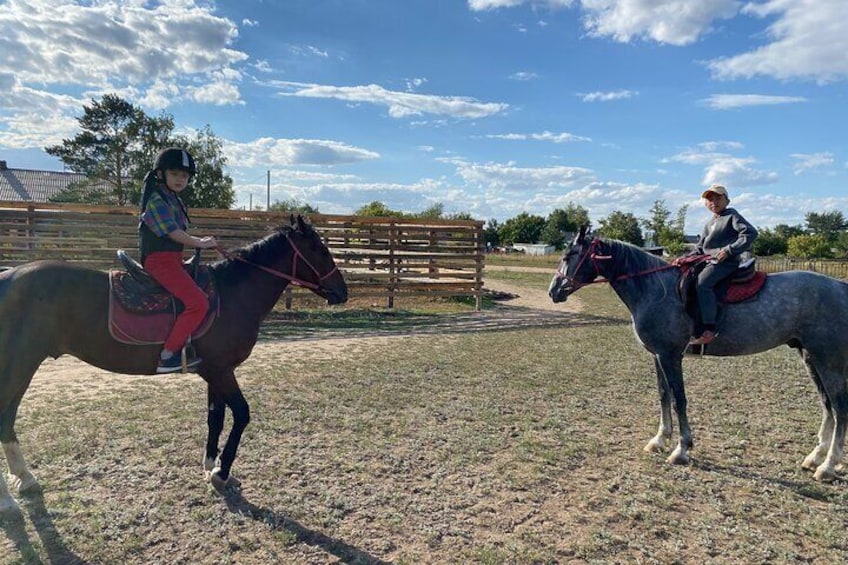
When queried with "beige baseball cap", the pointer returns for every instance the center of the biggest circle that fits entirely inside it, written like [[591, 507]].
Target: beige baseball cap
[[717, 189]]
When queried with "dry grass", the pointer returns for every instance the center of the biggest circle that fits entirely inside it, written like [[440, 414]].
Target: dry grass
[[493, 443]]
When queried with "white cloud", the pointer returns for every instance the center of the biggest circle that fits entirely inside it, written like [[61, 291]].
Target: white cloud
[[809, 40], [484, 5], [676, 22], [399, 104], [544, 136], [267, 151], [607, 96], [34, 118], [730, 101], [523, 76], [724, 168], [510, 177], [63, 42], [811, 161]]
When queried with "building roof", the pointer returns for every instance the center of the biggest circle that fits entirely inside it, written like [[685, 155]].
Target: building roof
[[24, 185]]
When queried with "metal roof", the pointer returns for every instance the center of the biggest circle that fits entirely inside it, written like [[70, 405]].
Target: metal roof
[[24, 185]]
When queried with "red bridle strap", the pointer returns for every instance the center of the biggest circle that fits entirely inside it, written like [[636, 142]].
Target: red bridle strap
[[594, 257], [296, 254]]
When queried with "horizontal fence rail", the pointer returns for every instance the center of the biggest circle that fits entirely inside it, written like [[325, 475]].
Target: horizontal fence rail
[[835, 268], [381, 258]]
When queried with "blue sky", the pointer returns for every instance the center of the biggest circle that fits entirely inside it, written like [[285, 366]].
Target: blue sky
[[492, 107]]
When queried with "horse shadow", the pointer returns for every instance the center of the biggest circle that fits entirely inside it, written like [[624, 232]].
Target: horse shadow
[[13, 524], [279, 521]]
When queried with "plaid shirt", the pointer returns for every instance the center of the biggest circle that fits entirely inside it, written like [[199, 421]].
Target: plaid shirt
[[164, 213]]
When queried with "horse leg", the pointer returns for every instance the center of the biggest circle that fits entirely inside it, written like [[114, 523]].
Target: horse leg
[[15, 369], [215, 423], [19, 475], [234, 399], [671, 365], [835, 386], [817, 455], [657, 443]]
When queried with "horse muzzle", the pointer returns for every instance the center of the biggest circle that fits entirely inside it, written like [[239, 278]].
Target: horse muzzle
[[560, 289], [334, 296]]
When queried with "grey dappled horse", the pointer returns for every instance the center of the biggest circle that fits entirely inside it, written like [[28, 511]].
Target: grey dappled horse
[[804, 310]]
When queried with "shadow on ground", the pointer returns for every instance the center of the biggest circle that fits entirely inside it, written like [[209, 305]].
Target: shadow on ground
[[362, 323]]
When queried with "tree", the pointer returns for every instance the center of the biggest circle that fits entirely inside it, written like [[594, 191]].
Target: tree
[[664, 231], [561, 224], [105, 151], [826, 224], [117, 147], [293, 205], [433, 212], [491, 233], [524, 228], [808, 246], [211, 187], [769, 242], [377, 208], [623, 226]]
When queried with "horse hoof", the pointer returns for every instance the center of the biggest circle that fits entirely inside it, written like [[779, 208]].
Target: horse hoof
[[8, 505], [678, 458], [824, 474], [809, 464], [221, 485], [29, 486], [654, 446], [209, 464]]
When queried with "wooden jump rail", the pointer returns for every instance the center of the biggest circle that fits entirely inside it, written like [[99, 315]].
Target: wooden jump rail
[[382, 258]]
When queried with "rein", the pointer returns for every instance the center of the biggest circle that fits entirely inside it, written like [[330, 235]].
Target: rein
[[594, 257], [292, 278]]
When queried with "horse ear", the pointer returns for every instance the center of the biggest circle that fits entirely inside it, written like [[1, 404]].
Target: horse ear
[[582, 235], [301, 223], [291, 220]]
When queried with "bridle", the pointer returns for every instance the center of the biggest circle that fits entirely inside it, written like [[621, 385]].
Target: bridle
[[594, 257], [291, 277]]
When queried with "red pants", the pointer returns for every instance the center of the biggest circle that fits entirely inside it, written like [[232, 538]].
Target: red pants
[[167, 268]]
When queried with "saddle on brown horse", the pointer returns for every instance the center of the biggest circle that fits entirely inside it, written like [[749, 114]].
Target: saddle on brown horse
[[141, 312]]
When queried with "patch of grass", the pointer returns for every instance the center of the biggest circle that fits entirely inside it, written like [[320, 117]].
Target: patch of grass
[[472, 445]]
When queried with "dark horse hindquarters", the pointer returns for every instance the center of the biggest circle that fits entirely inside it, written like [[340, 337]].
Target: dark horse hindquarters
[[51, 308], [804, 310]]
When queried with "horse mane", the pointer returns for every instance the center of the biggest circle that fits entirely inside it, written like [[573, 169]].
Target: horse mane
[[261, 252], [628, 258]]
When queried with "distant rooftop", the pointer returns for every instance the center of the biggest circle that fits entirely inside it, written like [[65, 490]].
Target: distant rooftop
[[24, 185]]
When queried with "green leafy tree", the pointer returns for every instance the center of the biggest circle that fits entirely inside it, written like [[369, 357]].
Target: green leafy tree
[[561, 224], [523, 228], [665, 231], [433, 212], [786, 231], [769, 242], [377, 208], [808, 246], [106, 150], [491, 233], [211, 187], [117, 147], [293, 205], [623, 226], [827, 224]]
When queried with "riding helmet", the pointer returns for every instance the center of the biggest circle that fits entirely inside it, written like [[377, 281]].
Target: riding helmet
[[175, 158]]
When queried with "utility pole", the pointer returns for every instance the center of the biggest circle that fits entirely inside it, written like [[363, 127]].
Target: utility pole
[[268, 207]]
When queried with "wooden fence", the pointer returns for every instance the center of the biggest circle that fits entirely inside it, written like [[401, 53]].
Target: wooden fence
[[381, 258], [835, 268]]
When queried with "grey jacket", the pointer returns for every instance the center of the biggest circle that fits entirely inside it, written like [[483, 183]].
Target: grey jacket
[[730, 231]]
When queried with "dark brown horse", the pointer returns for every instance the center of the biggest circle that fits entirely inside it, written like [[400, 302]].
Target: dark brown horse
[[52, 308]]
